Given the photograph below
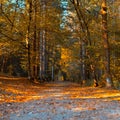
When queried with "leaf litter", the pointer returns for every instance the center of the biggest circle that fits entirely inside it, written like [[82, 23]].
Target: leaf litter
[[21, 100]]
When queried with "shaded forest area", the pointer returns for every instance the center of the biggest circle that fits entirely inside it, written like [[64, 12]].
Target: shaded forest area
[[72, 40]]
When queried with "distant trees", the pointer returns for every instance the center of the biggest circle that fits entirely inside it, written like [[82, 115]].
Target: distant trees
[[94, 63], [44, 42], [11, 36], [40, 39], [28, 27]]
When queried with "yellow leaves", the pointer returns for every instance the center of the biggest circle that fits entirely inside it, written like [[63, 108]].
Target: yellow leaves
[[104, 5], [3, 1], [21, 91], [53, 100], [104, 9], [15, 90], [66, 56], [65, 53], [102, 12], [2, 20]]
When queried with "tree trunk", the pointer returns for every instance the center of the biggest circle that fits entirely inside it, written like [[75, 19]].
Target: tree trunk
[[28, 39], [106, 46], [83, 66], [43, 42], [85, 38], [34, 59]]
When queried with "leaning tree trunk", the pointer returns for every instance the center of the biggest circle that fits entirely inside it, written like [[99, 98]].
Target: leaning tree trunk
[[106, 46]]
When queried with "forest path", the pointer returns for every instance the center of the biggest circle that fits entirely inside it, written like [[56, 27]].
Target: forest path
[[21, 100]]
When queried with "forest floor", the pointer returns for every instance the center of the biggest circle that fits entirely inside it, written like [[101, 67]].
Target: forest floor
[[21, 100]]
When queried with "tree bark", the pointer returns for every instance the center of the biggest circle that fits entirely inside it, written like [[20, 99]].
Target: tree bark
[[106, 46], [28, 44], [34, 59], [85, 39]]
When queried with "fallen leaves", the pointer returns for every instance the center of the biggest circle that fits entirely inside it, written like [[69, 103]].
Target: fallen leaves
[[66, 99]]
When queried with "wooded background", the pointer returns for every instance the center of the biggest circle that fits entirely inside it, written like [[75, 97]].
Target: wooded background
[[76, 39]]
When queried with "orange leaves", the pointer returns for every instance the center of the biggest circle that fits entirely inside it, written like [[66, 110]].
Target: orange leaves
[[18, 90], [66, 56], [62, 100], [21, 91]]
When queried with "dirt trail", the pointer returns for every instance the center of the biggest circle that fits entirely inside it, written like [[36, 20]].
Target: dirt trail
[[21, 100]]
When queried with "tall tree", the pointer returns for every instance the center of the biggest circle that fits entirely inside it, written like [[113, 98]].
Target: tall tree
[[106, 44], [84, 34], [28, 39]]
